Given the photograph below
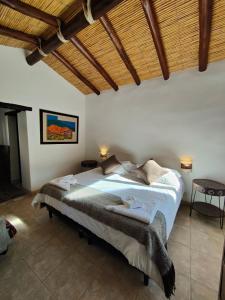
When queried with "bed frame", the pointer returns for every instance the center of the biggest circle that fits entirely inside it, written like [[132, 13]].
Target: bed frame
[[91, 237]]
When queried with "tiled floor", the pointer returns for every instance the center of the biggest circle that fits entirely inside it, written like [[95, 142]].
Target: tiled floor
[[47, 260]]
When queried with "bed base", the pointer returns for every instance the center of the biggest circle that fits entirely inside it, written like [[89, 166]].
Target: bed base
[[91, 238]]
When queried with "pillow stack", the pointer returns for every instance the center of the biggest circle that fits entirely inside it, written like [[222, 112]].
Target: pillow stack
[[149, 172]]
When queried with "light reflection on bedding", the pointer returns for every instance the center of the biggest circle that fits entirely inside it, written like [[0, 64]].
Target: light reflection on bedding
[[166, 197]]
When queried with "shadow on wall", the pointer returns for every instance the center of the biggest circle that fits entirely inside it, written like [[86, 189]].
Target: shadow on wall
[[121, 153], [167, 158]]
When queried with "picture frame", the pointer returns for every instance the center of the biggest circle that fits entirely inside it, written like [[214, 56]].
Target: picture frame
[[58, 128]]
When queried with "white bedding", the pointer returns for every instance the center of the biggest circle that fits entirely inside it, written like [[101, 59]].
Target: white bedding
[[162, 197], [166, 199]]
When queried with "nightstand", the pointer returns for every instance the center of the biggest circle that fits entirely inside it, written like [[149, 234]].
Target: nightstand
[[87, 165], [208, 188]]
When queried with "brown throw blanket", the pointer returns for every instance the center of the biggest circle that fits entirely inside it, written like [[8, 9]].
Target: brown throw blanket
[[93, 202]]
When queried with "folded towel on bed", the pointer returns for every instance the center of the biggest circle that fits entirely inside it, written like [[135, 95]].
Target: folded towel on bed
[[132, 202], [138, 214], [64, 182]]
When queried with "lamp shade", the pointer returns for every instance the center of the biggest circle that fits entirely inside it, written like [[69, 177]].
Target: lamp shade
[[186, 163], [104, 152]]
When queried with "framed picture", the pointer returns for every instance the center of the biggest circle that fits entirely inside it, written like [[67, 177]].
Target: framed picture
[[58, 128]]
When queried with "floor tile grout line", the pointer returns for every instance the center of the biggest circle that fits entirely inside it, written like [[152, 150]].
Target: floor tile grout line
[[36, 276], [42, 280], [205, 286], [61, 262]]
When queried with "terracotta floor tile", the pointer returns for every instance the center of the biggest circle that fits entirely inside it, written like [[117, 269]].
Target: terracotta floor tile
[[180, 256], [205, 269], [201, 292]]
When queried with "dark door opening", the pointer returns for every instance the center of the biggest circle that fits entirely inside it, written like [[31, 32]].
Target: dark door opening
[[14, 153], [10, 164]]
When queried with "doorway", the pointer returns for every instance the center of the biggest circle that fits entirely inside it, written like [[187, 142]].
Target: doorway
[[10, 153]]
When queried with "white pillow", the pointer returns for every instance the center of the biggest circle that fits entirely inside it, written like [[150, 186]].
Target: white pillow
[[150, 171], [125, 167], [128, 166]]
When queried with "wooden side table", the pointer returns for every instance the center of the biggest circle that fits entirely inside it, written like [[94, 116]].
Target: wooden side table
[[87, 165], [213, 189]]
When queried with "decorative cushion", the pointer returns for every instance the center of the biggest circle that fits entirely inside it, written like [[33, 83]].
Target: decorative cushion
[[150, 171], [110, 165]]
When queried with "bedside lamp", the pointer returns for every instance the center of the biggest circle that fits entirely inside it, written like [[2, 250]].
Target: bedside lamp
[[186, 163], [104, 152]]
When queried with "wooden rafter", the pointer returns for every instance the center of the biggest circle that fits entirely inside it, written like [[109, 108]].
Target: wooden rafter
[[205, 22], [75, 71], [34, 41], [119, 47], [79, 45], [75, 25], [30, 11], [52, 20], [155, 31], [12, 33]]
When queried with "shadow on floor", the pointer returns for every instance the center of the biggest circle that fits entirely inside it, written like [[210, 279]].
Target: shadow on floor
[[9, 191]]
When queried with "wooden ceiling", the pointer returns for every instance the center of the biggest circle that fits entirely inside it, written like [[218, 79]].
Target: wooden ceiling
[[177, 22]]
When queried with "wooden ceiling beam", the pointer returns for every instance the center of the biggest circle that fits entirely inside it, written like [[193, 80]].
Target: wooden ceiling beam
[[25, 37], [67, 64], [80, 46], [155, 31], [52, 20], [119, 47], [30, 11], [12, 33], [75, 25], [205, 25]]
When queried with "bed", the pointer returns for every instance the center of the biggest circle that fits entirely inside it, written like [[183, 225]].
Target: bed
[[166, 198]]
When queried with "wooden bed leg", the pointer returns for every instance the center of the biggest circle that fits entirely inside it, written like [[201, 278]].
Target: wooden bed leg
[[81, 234], [50, 213], [90, 241], [146, 280]]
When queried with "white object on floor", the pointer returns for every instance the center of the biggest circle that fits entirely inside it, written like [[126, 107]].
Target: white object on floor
[[4, 236], [64, 182]]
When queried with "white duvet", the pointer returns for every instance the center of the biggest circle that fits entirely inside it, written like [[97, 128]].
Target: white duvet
[[160, 196]]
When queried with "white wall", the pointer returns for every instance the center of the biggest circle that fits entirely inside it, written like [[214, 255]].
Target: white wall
[[40, 87], [164, 120], [4, 135]]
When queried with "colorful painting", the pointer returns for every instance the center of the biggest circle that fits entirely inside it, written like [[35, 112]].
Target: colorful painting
[[58, 128]]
